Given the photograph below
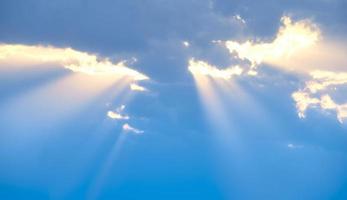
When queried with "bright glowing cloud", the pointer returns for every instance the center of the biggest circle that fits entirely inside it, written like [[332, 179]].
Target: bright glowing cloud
[[316, 94], [118, 114], [115, 115], [300, 46], [71, 59], [136, 87], [186, 43], [129, 129], [325, 79], [203, 68], [291, 38]]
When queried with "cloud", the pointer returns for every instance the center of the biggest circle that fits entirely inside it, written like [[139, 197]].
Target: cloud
[[325, 79], [185, 43], [291, 38], [239, 19], [299, 46], [317, 94], [203, 68], [69, 58], [136, 87], [129, 129], [294, 146], [118, 114], [115, 115]]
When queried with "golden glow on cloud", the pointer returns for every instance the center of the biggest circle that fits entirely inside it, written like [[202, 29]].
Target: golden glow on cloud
[[71, 59], [316, 94], [324, 79], [203, 68], [291, 38], [299, 46]]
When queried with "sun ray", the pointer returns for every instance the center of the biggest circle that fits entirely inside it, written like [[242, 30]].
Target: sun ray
[[57, 100], [113, 155]]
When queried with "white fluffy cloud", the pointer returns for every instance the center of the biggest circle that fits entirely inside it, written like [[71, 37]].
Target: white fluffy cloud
[[71, 59]]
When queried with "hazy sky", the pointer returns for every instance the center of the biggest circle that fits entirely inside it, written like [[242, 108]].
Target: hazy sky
[[181, 99]]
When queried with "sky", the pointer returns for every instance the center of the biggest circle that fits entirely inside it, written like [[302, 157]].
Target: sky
[[184, 99]]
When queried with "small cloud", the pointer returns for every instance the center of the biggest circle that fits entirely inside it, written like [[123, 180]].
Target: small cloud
[[203, 68], [218, 42], [294, 146], [114, 115], [239, 19], [117, 114], [186, 43], [129, 129], [136, 87]]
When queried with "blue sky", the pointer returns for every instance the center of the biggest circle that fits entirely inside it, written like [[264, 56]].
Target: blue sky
[[185, 99]]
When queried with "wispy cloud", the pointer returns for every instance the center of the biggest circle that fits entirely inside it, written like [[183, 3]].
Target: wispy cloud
[[239, 19], [316, 94], [129, 129], [136, 87], [294, 146], [204, 68], [118, 114], [115, 115], [69, 58]]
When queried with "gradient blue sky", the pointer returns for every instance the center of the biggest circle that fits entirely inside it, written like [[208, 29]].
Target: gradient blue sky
[[171, 141]]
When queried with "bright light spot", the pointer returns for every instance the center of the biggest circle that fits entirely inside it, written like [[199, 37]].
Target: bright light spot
[[71, 59], [186, 43], [114, 115], [136, 87], [203, 68]]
